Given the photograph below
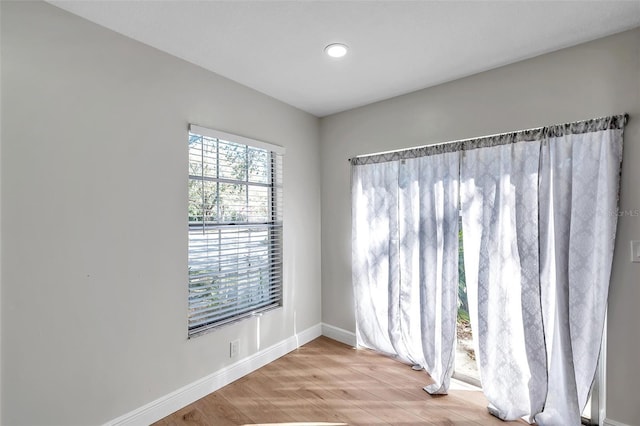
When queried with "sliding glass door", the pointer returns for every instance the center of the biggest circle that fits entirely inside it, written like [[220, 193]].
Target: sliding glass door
[[466, 367]]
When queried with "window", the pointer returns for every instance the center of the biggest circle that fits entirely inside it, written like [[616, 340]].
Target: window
[[235, 228]]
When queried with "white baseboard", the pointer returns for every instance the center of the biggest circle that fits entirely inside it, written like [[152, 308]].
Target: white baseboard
[[339, 334], [184, 396], [609, 422]]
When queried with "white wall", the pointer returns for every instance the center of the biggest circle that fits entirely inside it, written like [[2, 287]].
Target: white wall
[[591, 80], [94, 196]]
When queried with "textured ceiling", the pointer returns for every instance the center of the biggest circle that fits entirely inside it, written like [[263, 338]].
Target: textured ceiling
[[396, 47]]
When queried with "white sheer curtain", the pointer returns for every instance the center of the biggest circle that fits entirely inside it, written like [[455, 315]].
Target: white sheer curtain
[[499, 196], [539, 221], [539, 214], [405, 260], [579, 178]]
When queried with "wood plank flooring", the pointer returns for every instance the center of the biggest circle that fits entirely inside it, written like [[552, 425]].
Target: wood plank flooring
[[327, 383]]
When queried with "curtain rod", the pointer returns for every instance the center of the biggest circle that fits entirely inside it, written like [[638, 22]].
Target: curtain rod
[[556, 130]]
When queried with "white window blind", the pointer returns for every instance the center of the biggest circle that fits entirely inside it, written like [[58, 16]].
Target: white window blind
[[235, 228]]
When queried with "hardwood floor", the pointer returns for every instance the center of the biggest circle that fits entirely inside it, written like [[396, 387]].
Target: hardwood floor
[[328, 383]]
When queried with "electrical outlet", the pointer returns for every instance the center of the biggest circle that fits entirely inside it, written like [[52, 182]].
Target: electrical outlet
[[234, 347], [635, 251]]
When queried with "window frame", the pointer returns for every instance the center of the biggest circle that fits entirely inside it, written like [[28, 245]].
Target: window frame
[[201, 320]]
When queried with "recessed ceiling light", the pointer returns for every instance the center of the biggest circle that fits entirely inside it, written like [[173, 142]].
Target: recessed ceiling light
[[336, 50]]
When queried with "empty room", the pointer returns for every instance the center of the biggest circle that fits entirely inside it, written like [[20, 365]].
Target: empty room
[[319, 212]]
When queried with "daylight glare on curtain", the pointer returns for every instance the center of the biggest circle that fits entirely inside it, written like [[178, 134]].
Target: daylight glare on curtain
[[405, 256], [539, 216], [539, 222], [578, 215], [499, 196]]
